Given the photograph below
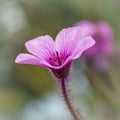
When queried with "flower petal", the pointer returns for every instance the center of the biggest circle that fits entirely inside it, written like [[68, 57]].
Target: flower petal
[[24, 58], [43, 47], [83, 45], [27, 59], [89, 27], [68, 39], [106, 34], [31, 60]]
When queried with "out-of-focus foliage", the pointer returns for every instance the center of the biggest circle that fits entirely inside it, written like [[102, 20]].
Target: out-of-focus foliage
[[21, 20]]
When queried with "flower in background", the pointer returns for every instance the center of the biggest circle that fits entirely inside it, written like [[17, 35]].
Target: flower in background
[[56, 55], [99, 53]]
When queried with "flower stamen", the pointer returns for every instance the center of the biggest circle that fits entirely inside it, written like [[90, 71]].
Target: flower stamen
[[58, 58]]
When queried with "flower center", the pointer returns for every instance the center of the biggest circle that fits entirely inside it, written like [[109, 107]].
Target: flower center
[[57, 59]]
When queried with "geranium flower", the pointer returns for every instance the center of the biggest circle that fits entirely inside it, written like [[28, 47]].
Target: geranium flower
[[56, 55], [102, 34]]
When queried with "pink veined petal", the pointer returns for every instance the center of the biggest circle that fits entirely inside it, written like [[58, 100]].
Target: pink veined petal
[[24, 58], [83, 45], [27, 59], [43, 47], [67, 39]]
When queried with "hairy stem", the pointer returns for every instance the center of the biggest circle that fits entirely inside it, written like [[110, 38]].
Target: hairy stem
[[67, 100]]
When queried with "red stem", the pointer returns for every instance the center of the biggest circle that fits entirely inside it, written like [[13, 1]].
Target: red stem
[[67, 101]]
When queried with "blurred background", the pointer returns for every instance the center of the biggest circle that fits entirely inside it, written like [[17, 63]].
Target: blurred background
[[28, 92]]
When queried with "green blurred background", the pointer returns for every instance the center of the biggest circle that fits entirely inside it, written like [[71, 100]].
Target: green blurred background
[[28, 92]]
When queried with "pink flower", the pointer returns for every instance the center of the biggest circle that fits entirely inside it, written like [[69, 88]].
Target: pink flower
[[56, 55], [102, 34]]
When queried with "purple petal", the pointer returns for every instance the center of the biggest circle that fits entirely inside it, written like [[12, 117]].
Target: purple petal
[[27, 59], [83, 45], [43, 47], [89, 27], [32, 60], [106, 34], [68, 39]]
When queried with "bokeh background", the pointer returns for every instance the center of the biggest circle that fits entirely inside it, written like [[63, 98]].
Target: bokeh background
[[28, 92]]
